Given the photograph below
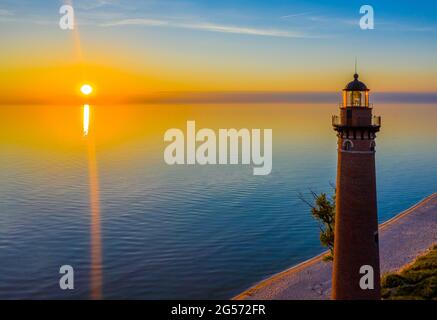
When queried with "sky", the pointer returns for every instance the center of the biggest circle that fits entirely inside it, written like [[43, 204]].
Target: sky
[[133, 49]]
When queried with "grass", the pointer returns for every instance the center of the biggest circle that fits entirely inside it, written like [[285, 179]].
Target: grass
[[417, 281]]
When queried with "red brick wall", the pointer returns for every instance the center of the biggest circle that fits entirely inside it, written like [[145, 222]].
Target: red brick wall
[[356, 222]]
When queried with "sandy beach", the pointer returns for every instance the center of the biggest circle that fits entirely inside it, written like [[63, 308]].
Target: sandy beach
[[402, 239]]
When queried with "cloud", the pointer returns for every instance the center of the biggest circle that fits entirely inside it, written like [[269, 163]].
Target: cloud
[[379, 24], [4, 12], [95, 4], [244, 30], [7, 16], [208, 27], [294, 15], [398, 27], [136, 22], [335, 20]]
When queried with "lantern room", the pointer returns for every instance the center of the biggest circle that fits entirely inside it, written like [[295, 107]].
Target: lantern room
[[356, 94]]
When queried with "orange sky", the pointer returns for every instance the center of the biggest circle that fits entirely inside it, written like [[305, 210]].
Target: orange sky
[[62, 83]]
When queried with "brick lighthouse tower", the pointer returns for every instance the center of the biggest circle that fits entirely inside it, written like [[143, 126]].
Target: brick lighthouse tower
[[356, 225]]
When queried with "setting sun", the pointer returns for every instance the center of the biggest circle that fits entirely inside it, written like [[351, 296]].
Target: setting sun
[[86, 89]]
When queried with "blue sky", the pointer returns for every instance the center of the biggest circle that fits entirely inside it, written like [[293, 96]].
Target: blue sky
[[317, 16]]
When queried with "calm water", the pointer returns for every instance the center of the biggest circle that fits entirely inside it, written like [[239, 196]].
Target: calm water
[[133, 227]]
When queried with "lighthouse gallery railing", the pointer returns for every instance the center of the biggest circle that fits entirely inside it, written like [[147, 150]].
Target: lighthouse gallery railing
[[337, 121]]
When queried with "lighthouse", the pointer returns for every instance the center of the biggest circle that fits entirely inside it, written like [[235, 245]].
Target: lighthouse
[[356, 273]]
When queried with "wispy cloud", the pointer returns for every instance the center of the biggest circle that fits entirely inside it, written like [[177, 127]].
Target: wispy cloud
[[7, 16], [208, 27], [95, 4], [403, 27], [136, 22], [335, 20], [6, 13], [340, 22], [294, 15]]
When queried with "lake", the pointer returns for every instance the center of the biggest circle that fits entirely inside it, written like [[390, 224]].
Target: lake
[[133, 227]]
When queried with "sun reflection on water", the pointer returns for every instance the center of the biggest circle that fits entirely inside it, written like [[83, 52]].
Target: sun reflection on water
[[94, 190], [86, 119]]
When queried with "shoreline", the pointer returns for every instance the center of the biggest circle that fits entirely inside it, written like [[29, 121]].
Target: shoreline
[[297, 282]]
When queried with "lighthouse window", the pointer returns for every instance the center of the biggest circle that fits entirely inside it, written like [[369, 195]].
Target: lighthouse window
[[356, 98], [347, 145]]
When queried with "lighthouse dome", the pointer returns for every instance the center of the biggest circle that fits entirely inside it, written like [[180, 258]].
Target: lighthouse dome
[[356, 85]]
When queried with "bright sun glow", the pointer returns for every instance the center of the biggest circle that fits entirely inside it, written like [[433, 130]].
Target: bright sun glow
[[86, 89]]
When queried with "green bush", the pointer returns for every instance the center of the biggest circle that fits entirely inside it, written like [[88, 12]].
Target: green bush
[[418, 281], [323, 210]]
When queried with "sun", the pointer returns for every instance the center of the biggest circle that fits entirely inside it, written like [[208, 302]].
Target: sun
[[86, 89]]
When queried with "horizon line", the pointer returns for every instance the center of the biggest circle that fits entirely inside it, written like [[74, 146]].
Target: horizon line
[[226, 97]]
